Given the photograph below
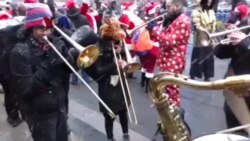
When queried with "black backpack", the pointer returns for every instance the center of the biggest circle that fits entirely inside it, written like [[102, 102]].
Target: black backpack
[[8, 38]]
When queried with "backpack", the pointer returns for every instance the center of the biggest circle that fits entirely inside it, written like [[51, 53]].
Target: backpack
[[8, 38]]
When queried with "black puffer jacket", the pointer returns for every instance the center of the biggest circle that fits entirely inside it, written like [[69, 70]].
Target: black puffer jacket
[[41, 86], [101, 71], [76, 18]]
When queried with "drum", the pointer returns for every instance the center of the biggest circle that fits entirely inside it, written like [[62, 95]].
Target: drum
[[222, 137]]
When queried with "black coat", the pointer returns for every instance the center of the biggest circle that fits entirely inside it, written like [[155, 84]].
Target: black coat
[[42, 87], [101, 72], [239, 53], [76, 18]]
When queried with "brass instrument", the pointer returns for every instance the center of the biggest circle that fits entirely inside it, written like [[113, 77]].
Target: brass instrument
[[157, 18], [131, 65], [87, 56], [172, 125], [122, 74], [217, 38]]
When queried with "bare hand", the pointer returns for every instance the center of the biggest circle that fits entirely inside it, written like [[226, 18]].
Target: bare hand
[[241, 92], [118, 49], [230, 26], [236, 37], [122, 63]]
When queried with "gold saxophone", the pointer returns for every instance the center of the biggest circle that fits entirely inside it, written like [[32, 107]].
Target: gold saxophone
[[173, 127]]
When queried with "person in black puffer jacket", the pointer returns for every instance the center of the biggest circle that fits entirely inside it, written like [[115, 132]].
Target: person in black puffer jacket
[[37, 74], [74, 15], [239, 53]]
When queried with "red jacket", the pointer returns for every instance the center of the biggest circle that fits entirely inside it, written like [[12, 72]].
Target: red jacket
[[173, 44]]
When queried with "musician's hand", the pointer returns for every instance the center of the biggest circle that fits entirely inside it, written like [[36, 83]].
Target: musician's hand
[[151, 25], [230, 26], [122, 63], [118, 49], [241, 92], [236, 37]]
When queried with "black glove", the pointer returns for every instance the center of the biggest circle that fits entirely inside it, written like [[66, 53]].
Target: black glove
[[73, 53], [52, 58]]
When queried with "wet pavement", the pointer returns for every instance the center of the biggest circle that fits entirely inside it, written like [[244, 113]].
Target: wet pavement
[[204, 112]]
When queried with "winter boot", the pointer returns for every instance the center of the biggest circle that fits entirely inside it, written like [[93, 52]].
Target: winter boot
[[126, 137], [14, 122], [143, 77], [131, 76], [146, 82], [1, 89]]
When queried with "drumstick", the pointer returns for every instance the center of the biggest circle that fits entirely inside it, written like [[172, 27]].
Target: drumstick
[[234, 129]]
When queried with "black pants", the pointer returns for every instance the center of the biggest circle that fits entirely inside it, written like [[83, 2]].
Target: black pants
[[109, 122], [47, 127], [202, 62], [182, 112], [10, 99], [231, 120]]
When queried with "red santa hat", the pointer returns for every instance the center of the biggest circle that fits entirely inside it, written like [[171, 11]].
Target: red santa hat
[[5, 15], [70, 4], [125, 21], [104, 5], [84, 10], [128, 5], [242, 9], [150, 8]]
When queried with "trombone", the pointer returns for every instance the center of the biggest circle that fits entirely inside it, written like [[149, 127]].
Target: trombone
[[215, 38], [86, 58], [87, 55], [129, 68]]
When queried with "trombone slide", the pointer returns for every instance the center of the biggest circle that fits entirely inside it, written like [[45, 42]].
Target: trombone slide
[[131, 65]]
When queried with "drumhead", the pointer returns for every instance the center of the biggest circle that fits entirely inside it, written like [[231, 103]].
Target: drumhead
[[222, 137]]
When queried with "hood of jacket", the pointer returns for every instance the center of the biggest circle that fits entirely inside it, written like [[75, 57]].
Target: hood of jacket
[[73, 13]]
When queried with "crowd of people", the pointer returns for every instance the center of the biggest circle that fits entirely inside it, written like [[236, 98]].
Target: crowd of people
[[36, 80]]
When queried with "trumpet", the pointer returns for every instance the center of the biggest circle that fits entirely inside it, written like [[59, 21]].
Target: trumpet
[[216, 38], [91, 53], [157, 18]]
